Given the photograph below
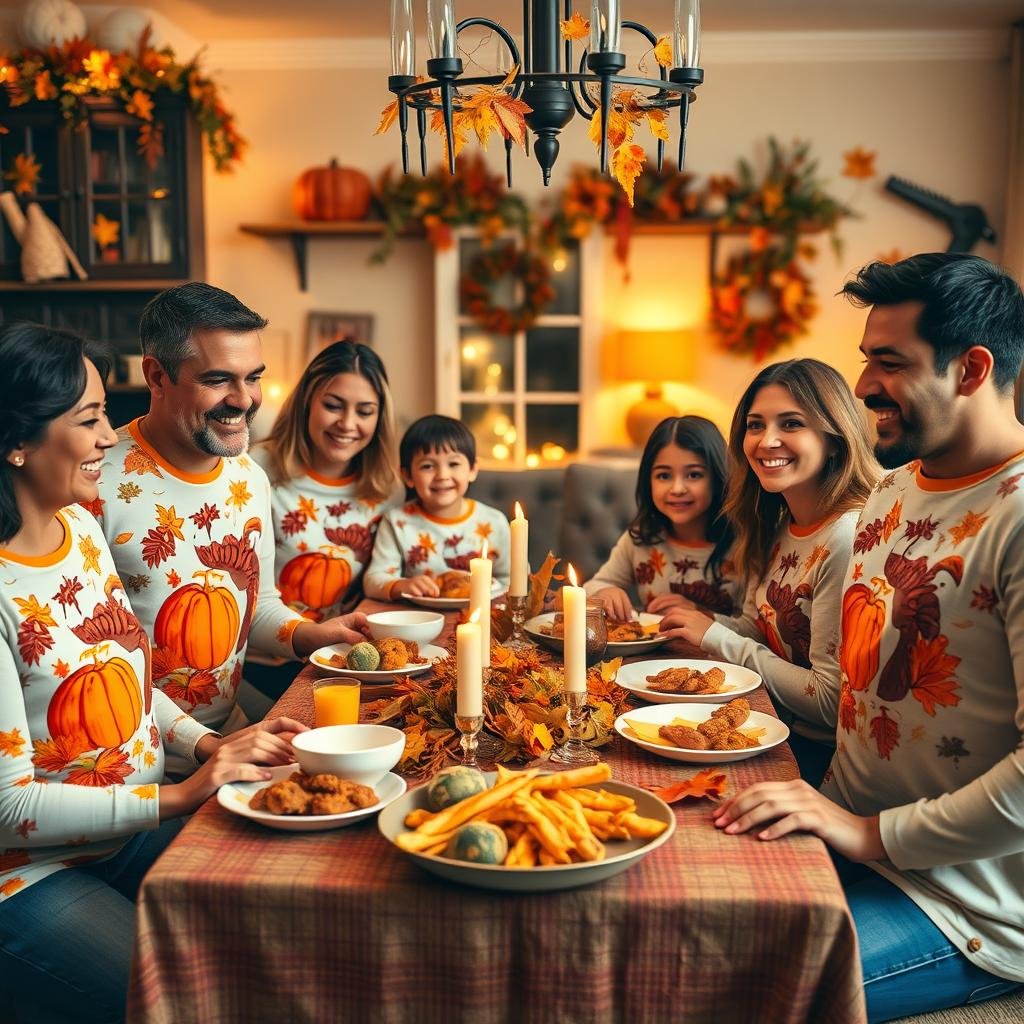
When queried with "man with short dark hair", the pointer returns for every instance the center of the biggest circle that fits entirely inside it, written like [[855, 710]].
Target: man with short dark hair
[[187, 513], [927, 784]]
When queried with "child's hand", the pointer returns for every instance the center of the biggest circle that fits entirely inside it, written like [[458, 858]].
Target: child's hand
[[664, 602], [616, 603], [416, 586], [686, 624]]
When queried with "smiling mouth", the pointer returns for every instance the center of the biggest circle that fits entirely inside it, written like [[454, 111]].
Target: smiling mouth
[[335, 439], [774, 463], [229, 421], [92, 467], [886, 415]]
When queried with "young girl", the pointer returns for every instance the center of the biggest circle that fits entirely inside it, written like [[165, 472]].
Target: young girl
[[805, 471], [83, 813], [674, 551]]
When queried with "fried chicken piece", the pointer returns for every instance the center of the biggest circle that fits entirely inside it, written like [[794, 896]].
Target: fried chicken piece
[[683, 736], [736, 712], [453, 584], [258, 801], [714, 679], [414, 653], [714, 729], [393, 653], [286, 798], [674, 680], [349, 796], [730, 741], [624, 632], [322, 782]]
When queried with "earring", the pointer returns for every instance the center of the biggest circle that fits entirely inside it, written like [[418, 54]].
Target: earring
[[19, 460]]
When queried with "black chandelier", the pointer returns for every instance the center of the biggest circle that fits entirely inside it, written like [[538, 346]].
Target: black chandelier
[[546, 81]]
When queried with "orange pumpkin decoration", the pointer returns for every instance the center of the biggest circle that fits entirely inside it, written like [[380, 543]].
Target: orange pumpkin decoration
[[199, 623], [100, 705], [332, 193], [863, 619], [316, 578]]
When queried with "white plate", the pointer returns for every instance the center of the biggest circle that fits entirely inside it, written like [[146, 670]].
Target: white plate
[[235, 797], [450, 603], [662, 714], [322, 660], [621, 853], [738, 681], [614, 650]]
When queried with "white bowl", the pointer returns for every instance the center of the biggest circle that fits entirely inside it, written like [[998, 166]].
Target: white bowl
[[417, 627], [359, 753]]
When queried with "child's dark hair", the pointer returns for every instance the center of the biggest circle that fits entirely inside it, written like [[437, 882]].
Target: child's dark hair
[[435, 433], [704, 439]]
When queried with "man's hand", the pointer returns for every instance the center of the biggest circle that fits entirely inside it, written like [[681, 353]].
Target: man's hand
[[342, 629], [686, 624]]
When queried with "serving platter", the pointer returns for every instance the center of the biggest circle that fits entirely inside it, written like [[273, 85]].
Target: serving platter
[[738, 681], [615, 649]]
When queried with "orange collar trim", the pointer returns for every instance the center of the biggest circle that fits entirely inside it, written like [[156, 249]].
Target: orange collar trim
[[470, 509], [328, 481], [938, 484], [43, 561], [806, 531], [180, 474]]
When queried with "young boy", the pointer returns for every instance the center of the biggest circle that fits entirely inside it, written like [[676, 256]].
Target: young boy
[[439, 529]]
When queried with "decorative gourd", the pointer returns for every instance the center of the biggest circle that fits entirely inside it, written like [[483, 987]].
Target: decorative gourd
[[450, 785], [47, 23], [100, 705], [863, 619], [479, 842], [315, 578], [122, 29], [332, 193], [363, 657], [199, 623]]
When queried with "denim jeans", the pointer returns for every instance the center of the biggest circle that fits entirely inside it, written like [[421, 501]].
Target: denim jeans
[[66, 941], [909, 966]]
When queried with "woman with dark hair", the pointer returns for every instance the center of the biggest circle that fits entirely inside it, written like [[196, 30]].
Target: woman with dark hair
[[82, 731], [674, 551], [804, 471]]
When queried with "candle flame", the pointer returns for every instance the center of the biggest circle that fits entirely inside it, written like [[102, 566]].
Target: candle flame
[[483, 550], [572, 577], [519, 511], [475, 617]]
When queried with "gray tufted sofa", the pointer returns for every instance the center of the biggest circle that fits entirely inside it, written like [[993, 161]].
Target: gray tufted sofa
[[577, 512]]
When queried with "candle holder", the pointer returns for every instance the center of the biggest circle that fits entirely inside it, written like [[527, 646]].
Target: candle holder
[[469, 727], [574, 751], [517, 612], [597, 632]]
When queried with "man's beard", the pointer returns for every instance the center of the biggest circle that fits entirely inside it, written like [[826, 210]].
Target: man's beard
[[207, 440]]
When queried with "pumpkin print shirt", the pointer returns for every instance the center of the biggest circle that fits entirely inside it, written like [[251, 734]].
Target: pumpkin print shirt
[[789, 629], [668, 567], [81, 729], [323, 532], [196, 553], [410, 542], [931, 711]]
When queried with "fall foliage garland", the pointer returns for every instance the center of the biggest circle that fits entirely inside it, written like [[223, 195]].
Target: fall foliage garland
[[489, 267]]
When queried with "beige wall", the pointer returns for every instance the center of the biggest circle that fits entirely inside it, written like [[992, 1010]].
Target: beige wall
[[940, 124]]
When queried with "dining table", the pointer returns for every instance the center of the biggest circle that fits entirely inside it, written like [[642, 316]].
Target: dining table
[[239, 922]]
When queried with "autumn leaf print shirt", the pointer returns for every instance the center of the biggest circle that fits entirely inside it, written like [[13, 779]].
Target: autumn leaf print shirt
[[82, 731], [931, 710], [196, 553], [669, 567], [410, 542]]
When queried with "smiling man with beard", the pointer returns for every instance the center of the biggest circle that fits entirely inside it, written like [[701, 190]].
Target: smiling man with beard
[[187, 513]]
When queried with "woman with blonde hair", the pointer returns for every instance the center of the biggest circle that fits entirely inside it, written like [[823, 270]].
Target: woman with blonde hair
[[803, 471]]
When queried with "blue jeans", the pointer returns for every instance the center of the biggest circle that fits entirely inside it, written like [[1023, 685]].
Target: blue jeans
[[66, 941], [909, 966]]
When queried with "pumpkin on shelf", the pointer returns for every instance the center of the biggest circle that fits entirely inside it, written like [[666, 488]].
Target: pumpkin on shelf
[[198, 623], [99, 705], [332, 193], [315, 579], [863, 619]]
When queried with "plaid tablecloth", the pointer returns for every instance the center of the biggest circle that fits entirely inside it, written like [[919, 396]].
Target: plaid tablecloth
[[240, 923]]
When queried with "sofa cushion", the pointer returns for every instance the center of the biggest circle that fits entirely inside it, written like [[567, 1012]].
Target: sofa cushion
[[600, 501]]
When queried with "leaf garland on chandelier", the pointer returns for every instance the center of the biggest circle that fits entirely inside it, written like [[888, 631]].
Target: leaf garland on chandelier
[[71, 73]]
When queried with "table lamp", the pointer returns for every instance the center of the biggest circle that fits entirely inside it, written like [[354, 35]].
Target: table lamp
[[652, 356]]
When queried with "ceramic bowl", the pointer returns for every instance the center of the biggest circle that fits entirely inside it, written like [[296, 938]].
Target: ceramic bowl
[[416, 627], [359, 753]]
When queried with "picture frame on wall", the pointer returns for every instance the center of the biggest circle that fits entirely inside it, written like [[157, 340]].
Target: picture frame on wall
[[323, 329]]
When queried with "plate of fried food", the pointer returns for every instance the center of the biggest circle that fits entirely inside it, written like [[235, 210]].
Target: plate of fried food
[[702, 733], [454, 586], [528, 832], [394, 657], [698, 682], [296, 802], [624, 638]]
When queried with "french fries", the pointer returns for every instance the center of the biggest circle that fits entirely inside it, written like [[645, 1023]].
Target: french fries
[[547, 819]]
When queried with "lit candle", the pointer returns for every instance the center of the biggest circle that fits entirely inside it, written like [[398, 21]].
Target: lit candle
[[480, 600], [574, 611], [469, 700], [520, 526]]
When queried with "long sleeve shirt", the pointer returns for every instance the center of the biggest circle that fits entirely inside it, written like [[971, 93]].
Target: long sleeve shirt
[[82, 732], [411, 542], [668, 567], [789, 629], [196, 553], [931, 714]]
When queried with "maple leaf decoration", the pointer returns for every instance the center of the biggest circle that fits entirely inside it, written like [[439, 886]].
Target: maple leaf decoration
[[706, 784], [967, 527], [11, 743], [293, 522], [24, 174], [67, 593], [627, 166], [106, 232], [886, 733], [204, 517], [932, 674], [198, 688], [109, 767], [860, 163], [577, 27], [663, 51]]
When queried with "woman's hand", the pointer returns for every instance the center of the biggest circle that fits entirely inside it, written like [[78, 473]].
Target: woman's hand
[[665, 602], [342, 629], [686, 624], [416, 586], [280, 732], [797, 807], [616, 603]]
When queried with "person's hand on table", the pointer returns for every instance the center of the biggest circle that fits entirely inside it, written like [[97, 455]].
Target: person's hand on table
[[416, 586], [274, 741], [686, 624], [797, 807], [342, 629], [662, 603], [616, 603]]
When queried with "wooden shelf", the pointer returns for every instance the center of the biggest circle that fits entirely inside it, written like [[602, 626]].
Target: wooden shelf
[[91, 285], [700, 226]]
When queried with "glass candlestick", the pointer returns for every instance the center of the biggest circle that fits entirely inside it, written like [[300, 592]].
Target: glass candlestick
[[574, 751], [517, 612], [597, 632], [469, 727]]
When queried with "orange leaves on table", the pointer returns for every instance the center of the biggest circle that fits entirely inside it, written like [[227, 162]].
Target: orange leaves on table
[[11, 743], [663, 51], [708, 783], [106, 232], [109, 767], [932, 674], [627, 166], [24, 173], [577, 27], [860, 163]]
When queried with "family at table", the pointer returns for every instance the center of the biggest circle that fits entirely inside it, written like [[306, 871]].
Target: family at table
[[878, 593]]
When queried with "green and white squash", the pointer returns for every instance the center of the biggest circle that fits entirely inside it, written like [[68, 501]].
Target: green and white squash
[[363, 657], [450, 785], [479, 842]]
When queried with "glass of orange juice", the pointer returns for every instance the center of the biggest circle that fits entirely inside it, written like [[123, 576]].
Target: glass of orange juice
[[335, 702]]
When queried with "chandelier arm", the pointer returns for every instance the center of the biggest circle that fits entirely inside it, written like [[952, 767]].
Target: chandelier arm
[[651, 38], [584, 105], [421, 127], [527, 56], [657, 85], [505, 37]]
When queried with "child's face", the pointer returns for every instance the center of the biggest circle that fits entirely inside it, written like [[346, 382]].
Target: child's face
[[342, 421], [681, 489], [440, 480]]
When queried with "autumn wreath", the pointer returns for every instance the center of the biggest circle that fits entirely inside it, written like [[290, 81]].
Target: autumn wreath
[[488, 268]]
